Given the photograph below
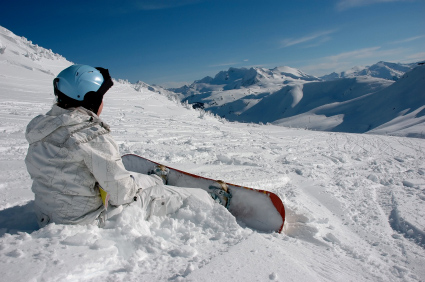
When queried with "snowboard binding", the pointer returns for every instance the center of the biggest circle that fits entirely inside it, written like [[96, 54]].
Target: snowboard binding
[[161, 171], [220, 193]]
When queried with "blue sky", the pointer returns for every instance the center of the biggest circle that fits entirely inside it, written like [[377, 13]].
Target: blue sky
[[169, 42]]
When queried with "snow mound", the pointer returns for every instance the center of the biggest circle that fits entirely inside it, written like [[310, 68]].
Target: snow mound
[[126, 245]]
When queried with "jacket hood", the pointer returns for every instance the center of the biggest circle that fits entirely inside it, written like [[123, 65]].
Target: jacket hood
[[43, 125]]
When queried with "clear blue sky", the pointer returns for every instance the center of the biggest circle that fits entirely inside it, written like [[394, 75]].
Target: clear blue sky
[[170, 42]]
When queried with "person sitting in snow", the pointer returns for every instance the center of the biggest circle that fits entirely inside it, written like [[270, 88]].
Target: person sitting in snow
[[72, 157]]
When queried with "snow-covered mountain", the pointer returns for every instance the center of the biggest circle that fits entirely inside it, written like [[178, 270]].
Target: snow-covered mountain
[[293, 100], [241, 78], [355, 203], [385, 70], [232, 92], [397, 109], [289, 97]]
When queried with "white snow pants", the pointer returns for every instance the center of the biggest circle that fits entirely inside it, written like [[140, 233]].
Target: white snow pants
[[159, 199]]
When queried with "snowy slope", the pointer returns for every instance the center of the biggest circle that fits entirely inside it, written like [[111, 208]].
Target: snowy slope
[[355, 203], [396, 110], [294, 100], [19, 54]]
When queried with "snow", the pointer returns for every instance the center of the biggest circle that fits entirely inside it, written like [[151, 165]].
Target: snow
[[355, 203]]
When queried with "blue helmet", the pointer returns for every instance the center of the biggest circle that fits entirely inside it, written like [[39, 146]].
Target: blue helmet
[[81, 85], [77, 80]]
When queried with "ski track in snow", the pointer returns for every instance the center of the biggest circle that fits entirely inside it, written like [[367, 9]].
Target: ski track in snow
[[355, 203]]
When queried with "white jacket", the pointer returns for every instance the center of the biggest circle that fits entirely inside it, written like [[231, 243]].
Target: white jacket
[[69, 151]]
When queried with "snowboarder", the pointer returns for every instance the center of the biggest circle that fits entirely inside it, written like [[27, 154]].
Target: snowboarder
[[72, 158]]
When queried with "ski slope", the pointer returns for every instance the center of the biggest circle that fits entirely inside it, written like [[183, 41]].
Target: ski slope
[[355, 203]]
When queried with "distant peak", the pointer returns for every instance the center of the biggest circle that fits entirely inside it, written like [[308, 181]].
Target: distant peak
[[381, 69]]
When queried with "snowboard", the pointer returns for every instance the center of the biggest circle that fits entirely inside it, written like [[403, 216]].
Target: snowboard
[[257, 209]]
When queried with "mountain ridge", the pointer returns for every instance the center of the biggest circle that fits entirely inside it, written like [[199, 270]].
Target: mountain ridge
[[381, 69], [237, 78], [284, 96]]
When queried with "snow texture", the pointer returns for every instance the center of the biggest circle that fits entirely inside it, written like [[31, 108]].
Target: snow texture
[[355, 203]]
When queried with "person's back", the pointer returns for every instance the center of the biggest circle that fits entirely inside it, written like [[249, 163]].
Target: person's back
[[60, 145]]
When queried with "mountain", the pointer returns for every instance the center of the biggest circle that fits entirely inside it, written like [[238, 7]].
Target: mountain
[[293, 100], [398, 109], [241, 78], [350, 101], [385, 70], [232, 92]]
